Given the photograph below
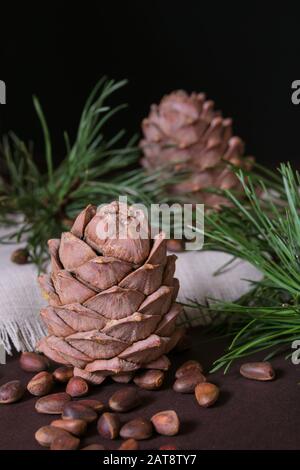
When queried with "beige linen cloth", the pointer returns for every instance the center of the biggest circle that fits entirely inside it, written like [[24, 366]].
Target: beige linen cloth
[[21, 300]]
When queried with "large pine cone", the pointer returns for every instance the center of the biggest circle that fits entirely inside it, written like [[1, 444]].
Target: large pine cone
[[112, 306], [185, 132]]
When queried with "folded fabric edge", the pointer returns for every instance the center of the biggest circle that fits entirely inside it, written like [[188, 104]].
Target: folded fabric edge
[[21, 335]]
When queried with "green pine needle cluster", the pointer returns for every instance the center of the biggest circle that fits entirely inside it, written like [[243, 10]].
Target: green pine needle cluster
[[263, 229], [39, 205]]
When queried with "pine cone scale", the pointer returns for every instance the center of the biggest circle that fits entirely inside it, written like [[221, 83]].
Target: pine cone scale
[[102, 272], [74, 252], [116, 302], [95, 344]]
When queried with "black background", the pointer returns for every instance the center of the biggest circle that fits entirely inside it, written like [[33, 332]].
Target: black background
[[244, 56]]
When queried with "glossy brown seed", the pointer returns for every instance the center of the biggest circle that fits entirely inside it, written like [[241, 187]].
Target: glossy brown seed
[[150, 379], [125, 399], [46, 435], [63, 374], [129, 444], [166, 423], [41, 384], [74, 426], [74, 410], [96, 405], [109, 425], [258, 371], [20, 256], [11, 392], [77, 387], [188, 366], [206, 394], [139, 429], [52, 404], [123, 378], [187, 382], [175, 246], [32, 362], [94, 447], [65, 442]]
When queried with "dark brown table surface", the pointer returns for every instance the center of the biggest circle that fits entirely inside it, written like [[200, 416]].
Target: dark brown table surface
[[248, 415]]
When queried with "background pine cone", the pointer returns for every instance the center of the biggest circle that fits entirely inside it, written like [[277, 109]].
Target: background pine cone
[[185, 132], [112, 306]]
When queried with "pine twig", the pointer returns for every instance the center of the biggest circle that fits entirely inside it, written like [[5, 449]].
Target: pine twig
[[95, 170], [265, 231]]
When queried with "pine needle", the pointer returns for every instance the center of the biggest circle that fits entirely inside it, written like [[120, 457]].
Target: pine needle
[[264, 230], [94, 170]]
